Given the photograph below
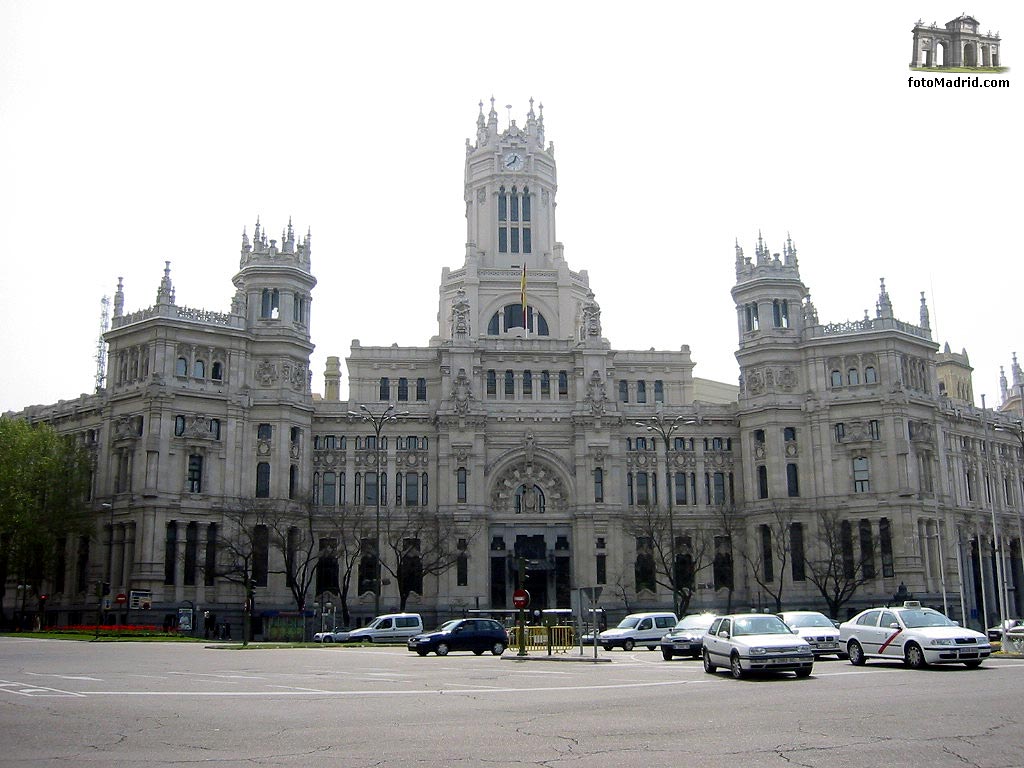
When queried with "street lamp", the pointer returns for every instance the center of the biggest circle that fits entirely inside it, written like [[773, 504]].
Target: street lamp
[[942, 565], [377, 421], [106, 587], [665, 428]]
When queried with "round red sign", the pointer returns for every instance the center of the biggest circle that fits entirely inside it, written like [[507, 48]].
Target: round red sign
[[521, 598], [121, 598]]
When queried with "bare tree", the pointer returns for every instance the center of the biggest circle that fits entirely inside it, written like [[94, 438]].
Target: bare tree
[[346, 528], [768, 555], [726, 540], [421, 542], [294, 536], [675, 563], [835, 570], [243, 552]]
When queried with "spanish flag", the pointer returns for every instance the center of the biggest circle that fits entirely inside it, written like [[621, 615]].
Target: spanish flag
[[522, 291]]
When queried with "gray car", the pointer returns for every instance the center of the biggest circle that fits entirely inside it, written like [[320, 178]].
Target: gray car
[[686, 638]]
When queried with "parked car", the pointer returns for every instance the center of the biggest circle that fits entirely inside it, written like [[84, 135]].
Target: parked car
[[818, 630], [686, 638], [329, 637], [636, 629], [996, 632], [476, 635], [914, 635], [389, 628], [755, 642]]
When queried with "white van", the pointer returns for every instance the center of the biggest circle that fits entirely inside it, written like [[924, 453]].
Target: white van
[[389, 628], [638, 629]]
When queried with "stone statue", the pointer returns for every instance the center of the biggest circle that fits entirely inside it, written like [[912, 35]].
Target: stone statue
[[460, 315], [591, 316]]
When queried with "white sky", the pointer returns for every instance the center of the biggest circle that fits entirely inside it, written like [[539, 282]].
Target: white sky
[[134, 133]]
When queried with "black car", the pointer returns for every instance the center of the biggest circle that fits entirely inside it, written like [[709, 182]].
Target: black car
[[476, 635]]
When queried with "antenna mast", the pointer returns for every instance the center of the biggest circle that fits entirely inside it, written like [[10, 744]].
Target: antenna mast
[[101, 345]]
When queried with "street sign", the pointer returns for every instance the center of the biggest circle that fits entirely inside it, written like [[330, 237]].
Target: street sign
[[593, 594], [521, 598], [121, 598]]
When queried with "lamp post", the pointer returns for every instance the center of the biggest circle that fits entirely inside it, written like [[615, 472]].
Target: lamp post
[[665, 428], [942, 565], [107, 586], [377, 421]]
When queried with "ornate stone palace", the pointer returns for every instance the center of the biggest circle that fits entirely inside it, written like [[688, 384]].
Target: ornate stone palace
[[546, 448]]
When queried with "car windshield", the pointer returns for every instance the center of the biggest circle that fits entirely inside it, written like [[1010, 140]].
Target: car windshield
[[447, 625], [697, 621], [760, 625], [809, 620], [925, 618], [629, 622]]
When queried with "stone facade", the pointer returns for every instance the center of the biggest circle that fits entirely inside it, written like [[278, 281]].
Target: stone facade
[[528, 430], [957, 44]]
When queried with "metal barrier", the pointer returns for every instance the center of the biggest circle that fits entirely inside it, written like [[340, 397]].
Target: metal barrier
[[552, 639], [1013, 641]]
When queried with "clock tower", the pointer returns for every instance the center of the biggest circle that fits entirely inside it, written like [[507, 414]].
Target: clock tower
[[510, 191]]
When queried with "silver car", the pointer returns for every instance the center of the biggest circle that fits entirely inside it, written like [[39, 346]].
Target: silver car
[[818, 630], [755, 642]]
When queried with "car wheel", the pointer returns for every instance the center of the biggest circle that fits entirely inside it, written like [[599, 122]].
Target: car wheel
[[478, 651], [842, 656], [606, 647], [328, 640], [913, 656], [666, 654], [497, 649], [627, 645], [973, 664], [708, 666], [803, 672], [855, 654], [735, 667], [442, 649], [421, 652]]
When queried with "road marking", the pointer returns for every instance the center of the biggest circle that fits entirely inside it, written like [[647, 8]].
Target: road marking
[[23, 689]]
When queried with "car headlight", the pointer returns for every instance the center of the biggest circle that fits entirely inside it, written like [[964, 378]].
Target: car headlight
[[758, 651], [943, 641]]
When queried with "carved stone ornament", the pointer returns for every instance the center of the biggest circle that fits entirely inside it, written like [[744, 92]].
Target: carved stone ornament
[[266, 373], [596, 394], [529, 474], [481, 196], [299, 378], [462, 393], [591, 316], [755, 382], [126, 428], [787, 379], [460, 315]]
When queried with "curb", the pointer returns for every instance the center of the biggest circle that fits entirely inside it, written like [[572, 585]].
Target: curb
[[559, 658]]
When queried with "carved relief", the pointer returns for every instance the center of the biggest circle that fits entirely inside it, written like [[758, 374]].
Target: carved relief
[[481, 196], [529, 474], [266, 373], [596, 394], [460, 315], [462, 394], [591, 316]]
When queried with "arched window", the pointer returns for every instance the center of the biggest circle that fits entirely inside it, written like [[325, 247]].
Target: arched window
[[837, 379], [530, 500], [527, 383], [870, 375], [853, 376], [563, 384], [641, 391], [421, 388], [385, 388], [199, 369], [181, 367], [510, 383], [403, 388], [179, 426], [217, 373], [270, 304], [492, 382], [492, 327]]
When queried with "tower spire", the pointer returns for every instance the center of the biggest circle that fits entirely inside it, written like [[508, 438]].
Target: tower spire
[[925, 321], [884, 306]]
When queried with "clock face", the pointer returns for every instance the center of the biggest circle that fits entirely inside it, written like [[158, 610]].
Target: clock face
[[513, 161]]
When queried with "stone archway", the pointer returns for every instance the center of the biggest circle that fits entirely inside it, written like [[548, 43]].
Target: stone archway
[[970, 57]]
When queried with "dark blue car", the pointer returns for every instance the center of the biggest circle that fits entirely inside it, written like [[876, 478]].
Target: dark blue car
[[476, 635]]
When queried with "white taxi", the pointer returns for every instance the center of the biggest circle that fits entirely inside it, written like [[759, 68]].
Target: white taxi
[[912, 634]]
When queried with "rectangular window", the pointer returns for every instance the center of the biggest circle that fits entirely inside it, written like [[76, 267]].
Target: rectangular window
[[461, 485], [867, 550], [191, 552], [412, 486], [762, 481], [263, 480], [602, 569], [861, 475], [527, 244], [403, 388], [641, 391], [719, 479], [515, 239], [563, 384], [492, 382], [796, 549], [840, 430], [527, 383], [502, 239], [792, 481], [873, 430], [170, 551], [623, 391], [195, 474], [641, 489], [421, 389], [210, 572], [510, 383], [370, 488], [264, 432], [260, 555], [462, 565], [680, 483], [885, 545], [330, 489], [659, 391], [545, 384], [767, 563], [598, 485]]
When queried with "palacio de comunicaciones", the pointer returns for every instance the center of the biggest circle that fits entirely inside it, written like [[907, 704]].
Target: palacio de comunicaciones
[[528, 430]]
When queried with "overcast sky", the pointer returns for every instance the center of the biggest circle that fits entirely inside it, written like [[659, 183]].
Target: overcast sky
[[137, 133]]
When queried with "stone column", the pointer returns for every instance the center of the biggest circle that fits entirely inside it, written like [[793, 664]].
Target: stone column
[[129, 552], [117, 559], [179, 563]]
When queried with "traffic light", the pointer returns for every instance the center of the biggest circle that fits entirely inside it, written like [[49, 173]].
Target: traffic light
[[105, 588]]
